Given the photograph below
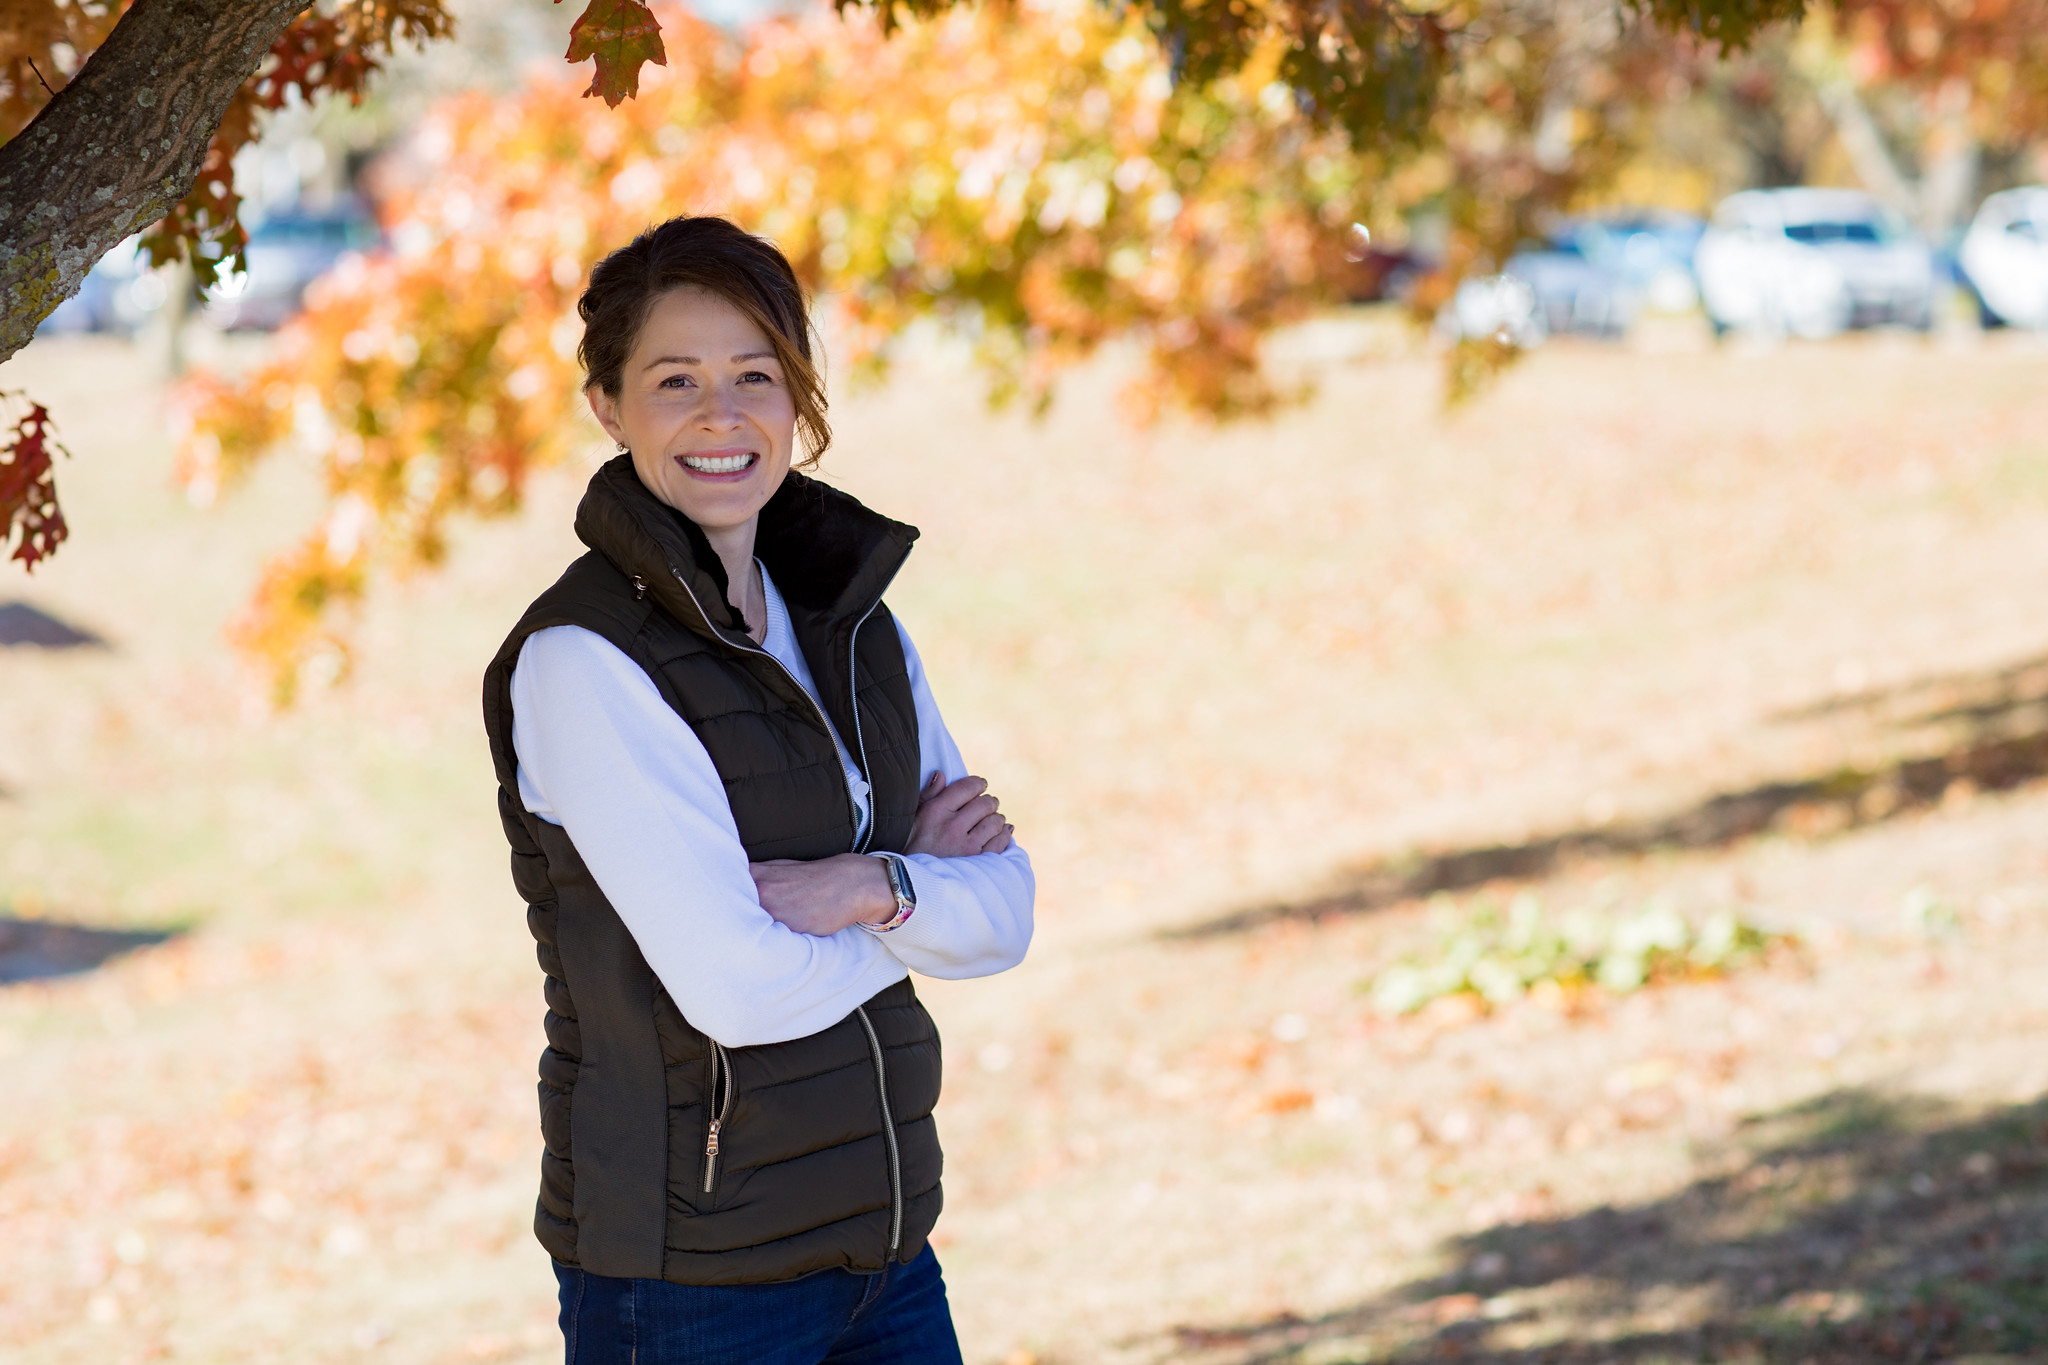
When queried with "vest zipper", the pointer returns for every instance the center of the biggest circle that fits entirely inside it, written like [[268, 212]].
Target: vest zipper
[[888, 1133], [719, 1060], [860, 744], [853, 695], [721, 1100]]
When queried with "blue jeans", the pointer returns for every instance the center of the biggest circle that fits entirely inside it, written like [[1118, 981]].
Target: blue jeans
[[898, 1317]]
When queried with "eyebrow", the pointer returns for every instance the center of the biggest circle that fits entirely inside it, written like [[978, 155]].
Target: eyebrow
[[693, 360]]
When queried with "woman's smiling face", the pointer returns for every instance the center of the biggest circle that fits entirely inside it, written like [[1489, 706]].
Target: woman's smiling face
[[705, 409]]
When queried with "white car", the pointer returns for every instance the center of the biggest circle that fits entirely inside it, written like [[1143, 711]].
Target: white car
[[1502, 306], [1812, 263], [2005, 256]]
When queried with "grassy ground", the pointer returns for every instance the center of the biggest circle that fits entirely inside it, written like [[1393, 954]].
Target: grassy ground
[[1747, 631]]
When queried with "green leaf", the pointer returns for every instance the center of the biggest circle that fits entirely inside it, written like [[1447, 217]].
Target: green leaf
[[622, 35], [1734, 24]]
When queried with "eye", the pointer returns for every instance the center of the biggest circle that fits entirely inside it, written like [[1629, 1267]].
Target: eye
[[678, 381], [757, 377]]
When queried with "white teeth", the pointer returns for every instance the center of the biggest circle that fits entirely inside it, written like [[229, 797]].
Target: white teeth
[[722, 464]]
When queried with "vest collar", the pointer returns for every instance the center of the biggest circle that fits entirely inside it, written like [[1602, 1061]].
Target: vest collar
[[827, 552]]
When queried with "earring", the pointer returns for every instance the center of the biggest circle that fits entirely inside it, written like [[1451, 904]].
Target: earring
[[622, 447]]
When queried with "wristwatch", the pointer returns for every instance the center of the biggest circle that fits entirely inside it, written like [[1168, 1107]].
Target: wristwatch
[[906, 894]]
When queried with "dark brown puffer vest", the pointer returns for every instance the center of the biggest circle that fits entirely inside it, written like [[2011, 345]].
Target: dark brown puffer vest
[[810, 1168]]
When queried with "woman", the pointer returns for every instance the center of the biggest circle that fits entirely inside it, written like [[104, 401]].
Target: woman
[[739, 823]]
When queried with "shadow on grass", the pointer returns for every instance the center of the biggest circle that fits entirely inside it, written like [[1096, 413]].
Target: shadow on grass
[[35, 949], [22, 624], [1996, 725], [1984, 698], [1855, 1230]]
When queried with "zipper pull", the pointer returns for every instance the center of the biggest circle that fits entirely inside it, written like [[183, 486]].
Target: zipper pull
[[639, 588], [711, 1140]]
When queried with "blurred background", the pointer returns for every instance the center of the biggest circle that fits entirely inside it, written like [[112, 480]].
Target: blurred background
[[1520, 665]]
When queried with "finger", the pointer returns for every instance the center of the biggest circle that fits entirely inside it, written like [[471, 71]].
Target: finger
[[960, 793], [981, 831], [932, 787], [1000, 840]]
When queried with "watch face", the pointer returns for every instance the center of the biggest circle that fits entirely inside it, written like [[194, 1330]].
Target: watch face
[[898, 882]]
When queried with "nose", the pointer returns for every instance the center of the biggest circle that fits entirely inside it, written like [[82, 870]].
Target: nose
[[721, 409]]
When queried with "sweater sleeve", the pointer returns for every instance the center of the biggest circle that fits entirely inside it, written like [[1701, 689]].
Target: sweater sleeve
[[605, 757], [974, 915]]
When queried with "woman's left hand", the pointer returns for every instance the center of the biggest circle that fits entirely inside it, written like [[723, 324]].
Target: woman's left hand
[[958, 820], [823, 896]]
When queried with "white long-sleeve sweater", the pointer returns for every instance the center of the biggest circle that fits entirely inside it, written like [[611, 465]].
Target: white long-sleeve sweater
[[603, 756]]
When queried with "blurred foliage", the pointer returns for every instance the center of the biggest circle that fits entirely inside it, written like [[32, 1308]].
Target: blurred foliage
[[1996, 50], [1373, 70], [1034, 178], [1475, 362], [1499, 959], [1039, 176], [1732, 23]]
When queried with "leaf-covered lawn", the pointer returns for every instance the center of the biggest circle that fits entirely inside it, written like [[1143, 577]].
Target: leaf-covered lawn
[[1754, 634]]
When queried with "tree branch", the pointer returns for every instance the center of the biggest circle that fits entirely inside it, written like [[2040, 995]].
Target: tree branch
[[120, 144]]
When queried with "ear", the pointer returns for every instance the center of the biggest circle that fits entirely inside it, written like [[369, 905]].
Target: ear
[[606, 409]]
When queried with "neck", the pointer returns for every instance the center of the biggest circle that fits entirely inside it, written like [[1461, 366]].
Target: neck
[[734, 546]]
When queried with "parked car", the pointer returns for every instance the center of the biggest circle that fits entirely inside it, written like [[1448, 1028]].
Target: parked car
[[1593, 277], [1812, 262], [1651, 249], [1570, 293], [118, 294], [287, 252], [2004, 257]]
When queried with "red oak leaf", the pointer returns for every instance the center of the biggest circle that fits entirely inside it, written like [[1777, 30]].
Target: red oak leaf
[[28, 491], [621, 35]]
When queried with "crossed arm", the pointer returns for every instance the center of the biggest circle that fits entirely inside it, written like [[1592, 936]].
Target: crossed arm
[[748, 951], [824, 896]]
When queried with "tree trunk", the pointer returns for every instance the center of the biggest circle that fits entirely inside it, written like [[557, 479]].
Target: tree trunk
[[1863, 142], [1937, 201], [120, 144], [1950, 163]]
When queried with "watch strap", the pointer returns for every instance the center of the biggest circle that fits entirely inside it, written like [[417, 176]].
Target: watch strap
[[903, 889]]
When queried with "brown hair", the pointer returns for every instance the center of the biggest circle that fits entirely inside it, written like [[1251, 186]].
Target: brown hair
[[749, 272]]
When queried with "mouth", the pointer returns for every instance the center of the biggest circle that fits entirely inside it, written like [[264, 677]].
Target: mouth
[[730, 464]]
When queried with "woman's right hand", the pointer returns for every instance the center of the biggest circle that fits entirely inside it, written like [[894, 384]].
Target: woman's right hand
[[958, 821]]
